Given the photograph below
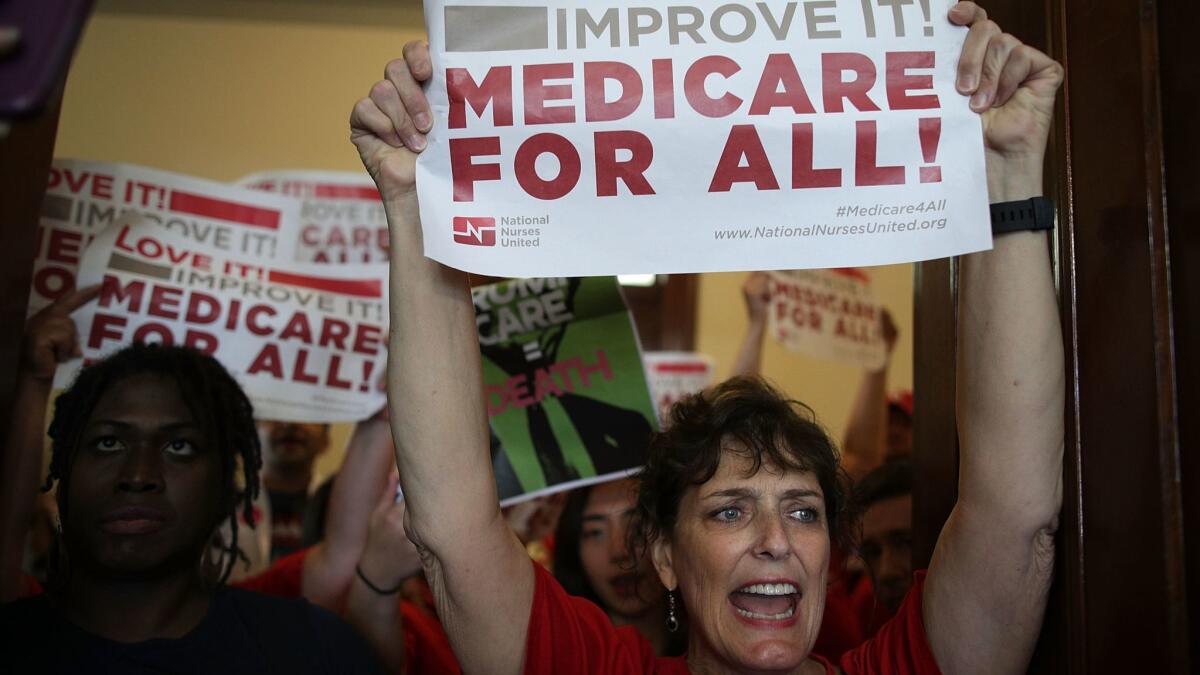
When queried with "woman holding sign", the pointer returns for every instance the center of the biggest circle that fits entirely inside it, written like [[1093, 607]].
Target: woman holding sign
[[739, 516]]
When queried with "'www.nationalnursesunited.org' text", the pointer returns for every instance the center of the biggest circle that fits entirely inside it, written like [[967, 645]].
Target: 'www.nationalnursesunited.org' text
[[887, 223]]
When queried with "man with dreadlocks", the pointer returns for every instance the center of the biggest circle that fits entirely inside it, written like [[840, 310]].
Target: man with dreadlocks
[[146, 449]]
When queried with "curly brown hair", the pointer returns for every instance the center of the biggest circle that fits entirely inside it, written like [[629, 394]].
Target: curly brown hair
[[765, 426]]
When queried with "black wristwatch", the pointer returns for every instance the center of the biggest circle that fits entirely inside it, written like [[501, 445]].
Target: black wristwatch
[[1027, 214]]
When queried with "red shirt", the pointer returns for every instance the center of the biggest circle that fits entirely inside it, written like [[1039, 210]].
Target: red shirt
[[569, 635], [871, 614], [283, 579], [840, 631], [29, 586], [428, 648]]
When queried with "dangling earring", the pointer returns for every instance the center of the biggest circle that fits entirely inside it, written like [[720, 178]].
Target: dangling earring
[[672, 619]]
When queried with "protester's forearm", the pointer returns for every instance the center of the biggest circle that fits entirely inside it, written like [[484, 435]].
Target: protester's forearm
[[991, 570], [364, 473], [436, 391], [22, 464], [377, 618], [864, 447], [1010, 371], [329, 567], [749, 357]]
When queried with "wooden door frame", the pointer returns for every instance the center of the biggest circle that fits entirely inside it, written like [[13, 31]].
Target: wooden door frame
[[1123, 161]]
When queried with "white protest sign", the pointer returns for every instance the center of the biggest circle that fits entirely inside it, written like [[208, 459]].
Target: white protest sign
[[827, 314], [673, 375], [578, 138], [82, 198], [306, 342], [342, 217]]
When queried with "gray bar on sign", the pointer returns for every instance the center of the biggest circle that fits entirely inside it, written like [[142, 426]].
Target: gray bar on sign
[[124, 263], [475, 28], [56, 207]]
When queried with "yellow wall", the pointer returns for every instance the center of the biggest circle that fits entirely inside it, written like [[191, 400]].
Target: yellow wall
[[826, 386], [223, 88], [219, 95]]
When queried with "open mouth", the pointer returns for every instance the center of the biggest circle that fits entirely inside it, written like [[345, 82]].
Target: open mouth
[[766, 601]]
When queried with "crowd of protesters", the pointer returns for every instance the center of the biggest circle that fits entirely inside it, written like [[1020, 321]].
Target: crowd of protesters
[[749, 542]]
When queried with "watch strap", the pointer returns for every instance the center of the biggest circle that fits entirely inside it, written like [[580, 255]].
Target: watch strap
[[1026, 214]]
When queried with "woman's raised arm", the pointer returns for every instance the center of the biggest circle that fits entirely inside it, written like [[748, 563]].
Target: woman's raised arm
[[986, 591], [482, 580]]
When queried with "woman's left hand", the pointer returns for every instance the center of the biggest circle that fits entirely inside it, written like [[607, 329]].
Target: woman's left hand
[[1011, 84], [389, 556]]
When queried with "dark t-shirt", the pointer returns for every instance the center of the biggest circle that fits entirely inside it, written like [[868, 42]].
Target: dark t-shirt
[[243, 632]]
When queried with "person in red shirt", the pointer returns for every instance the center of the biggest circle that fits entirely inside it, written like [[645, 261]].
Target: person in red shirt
[[879, 429], [594, 561], [358, 569], [739, 520], [885, 497], [373, 603], [291, 452]]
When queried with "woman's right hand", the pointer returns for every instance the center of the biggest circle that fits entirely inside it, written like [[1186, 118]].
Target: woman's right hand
[[50, 335], [388, 126]]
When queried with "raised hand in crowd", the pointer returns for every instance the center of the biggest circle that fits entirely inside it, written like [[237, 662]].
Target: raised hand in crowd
[[864, 446], [329, 566], [481, 577], [993, 563], [50, 338], [756, 293], [389, 558], [389, 125]]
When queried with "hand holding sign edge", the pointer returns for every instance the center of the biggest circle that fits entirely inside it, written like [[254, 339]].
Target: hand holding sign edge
[[388, 126], [1013, 87], [436, 401]]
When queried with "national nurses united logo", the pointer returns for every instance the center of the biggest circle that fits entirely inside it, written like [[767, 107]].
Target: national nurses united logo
[[474, 231]]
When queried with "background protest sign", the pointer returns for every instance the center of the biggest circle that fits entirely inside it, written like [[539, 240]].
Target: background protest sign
[[82, 198], [306, 342], [674, 375], [341, 217], [827, 314], [566, 390], [582, 138]]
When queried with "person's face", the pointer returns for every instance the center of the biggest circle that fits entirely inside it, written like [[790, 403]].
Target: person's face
[[295, 442], [626, 591], [750, 555], [144, 492], [887, 548]]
